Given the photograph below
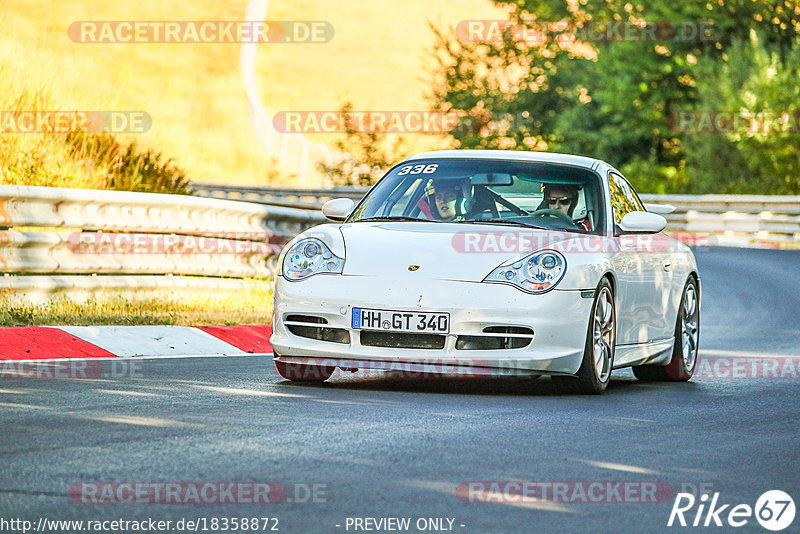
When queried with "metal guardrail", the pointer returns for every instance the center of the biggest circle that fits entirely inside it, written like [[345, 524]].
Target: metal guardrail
[[143, 212], [73, 232], [71, 240], [312, 199], [732, 220]]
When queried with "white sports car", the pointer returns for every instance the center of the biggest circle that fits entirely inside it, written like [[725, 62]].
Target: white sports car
[[493, 262]]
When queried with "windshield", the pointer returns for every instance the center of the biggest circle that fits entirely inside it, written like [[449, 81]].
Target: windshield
[[550, 196]]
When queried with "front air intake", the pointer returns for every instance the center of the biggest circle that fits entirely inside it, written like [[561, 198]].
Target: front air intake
[[305, 326], [402, 341], [517, 337]]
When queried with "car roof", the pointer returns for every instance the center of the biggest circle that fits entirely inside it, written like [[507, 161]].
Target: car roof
[[516, 155]]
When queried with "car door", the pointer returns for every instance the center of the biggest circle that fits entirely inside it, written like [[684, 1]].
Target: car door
[[643, 274]]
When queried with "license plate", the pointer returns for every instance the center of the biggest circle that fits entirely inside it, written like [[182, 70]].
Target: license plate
[[400, 321]]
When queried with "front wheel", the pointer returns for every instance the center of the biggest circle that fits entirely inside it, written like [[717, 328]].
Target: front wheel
[[687, 339], [297, 372], [598, 355]]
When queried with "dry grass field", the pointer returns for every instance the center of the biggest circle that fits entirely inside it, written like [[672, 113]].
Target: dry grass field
[[194, 92]]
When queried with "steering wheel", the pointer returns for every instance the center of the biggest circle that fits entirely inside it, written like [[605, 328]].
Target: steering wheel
[[558, 214]]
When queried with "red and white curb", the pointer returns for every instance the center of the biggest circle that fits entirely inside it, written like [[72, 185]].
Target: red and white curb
[[58, 342]]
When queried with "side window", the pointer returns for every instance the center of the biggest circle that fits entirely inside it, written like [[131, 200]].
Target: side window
[[623, 198]]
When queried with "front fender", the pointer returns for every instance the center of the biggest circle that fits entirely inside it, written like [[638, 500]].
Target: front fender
[[584, 270]]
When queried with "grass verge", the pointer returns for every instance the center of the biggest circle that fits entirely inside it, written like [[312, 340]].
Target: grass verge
[[252, 305]]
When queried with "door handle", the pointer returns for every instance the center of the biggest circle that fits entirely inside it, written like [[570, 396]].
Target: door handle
[[667, 264]]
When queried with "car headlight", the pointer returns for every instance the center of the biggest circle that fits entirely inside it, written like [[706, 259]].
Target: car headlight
[[308, 257], [538, 273]]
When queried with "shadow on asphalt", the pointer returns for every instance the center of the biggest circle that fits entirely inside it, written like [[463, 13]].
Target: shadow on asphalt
[[486, 386]]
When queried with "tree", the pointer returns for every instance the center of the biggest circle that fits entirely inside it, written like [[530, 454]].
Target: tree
[[763, 155], [363, 156], [614, 97]]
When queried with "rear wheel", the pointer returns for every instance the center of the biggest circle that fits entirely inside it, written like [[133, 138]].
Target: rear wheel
[[598, 355], [297, 372], [687, 338]]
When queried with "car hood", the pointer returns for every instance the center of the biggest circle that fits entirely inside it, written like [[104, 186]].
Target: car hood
[[466, 252]]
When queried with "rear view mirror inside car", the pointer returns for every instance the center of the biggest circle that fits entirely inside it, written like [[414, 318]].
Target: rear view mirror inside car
[[492, 178]]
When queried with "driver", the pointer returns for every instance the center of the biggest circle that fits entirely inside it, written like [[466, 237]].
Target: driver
[[446, 200], [563, 198]]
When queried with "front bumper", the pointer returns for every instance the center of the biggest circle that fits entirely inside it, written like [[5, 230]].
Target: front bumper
[[559, 320]]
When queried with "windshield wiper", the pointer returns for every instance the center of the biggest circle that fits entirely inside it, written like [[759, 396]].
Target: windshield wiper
[[506, 222], [392, 218]]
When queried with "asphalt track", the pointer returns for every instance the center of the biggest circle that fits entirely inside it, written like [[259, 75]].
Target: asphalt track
[[400, 448]]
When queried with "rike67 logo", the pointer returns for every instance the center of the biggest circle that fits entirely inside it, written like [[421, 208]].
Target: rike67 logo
[[774, 510]]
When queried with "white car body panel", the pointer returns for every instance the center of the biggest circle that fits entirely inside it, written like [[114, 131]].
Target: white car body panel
[[395, 246]]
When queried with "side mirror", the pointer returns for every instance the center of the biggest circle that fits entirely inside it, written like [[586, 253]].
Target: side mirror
[[661, 209], [642, 222], [338, 209]]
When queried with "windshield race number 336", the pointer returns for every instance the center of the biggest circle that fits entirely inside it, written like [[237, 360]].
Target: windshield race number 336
[[400, 321]]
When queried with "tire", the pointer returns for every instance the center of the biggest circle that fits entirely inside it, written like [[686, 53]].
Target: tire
[[598, 354], [687, 339], [304, 373]]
